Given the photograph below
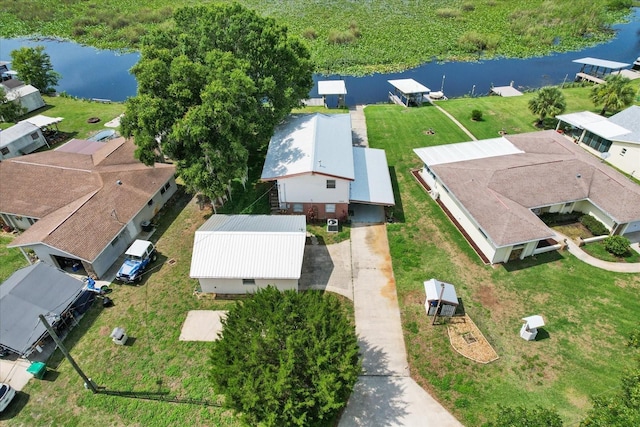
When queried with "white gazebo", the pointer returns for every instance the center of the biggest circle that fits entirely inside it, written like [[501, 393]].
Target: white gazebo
[[332, 88], [408, 91], [530, 327]]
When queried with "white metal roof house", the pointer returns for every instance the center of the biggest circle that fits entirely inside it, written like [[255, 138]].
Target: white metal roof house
[[615, 139], [80, 207], [20, 139], [236, 254], [319, 172], [495, 189]]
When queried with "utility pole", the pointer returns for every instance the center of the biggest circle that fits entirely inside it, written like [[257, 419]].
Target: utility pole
[[64, 351]]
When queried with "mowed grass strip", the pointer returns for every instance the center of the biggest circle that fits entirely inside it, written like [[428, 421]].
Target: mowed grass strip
[[589, 312]]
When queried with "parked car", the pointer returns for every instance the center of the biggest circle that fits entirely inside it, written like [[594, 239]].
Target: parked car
[[138, 257], [7, 393]]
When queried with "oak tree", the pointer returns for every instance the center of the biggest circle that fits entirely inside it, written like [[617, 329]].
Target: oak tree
[[211, 90]]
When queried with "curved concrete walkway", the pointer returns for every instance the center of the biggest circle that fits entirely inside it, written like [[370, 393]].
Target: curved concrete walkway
[[618, 267], [385, 394]]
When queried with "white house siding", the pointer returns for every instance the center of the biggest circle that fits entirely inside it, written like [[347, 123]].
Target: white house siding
[[587, 207], [632, 227], [19, 222], [427, 177], [312, 188], [629, 162], [25, 144], [235, 286], [470, 226]]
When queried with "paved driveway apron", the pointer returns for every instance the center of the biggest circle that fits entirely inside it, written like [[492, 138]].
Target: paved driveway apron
[[384, 395]]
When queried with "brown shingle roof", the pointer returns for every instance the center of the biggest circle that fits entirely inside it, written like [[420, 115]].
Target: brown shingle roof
[[499, 192], [76, 196]]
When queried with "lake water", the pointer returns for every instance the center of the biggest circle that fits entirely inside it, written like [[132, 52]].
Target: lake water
[[93, 73]]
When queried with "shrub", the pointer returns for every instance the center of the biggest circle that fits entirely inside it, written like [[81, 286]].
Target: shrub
[[593, 225], [310, 34], [617, 245], [468, 7], [554, 218], [341, 37], [447, 13], [476, 115]]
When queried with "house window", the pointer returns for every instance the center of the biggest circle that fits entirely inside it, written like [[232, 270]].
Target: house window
[[34, 136], [150, 202], [297, 207], [330, 208], [4, 150], [162, 190], [623, 152], [248, 281], [331, 183], [167, 185]]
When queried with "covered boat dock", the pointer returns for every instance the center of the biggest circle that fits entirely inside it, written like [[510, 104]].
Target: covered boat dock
[[408, 92], [596, 70], [332, 88]]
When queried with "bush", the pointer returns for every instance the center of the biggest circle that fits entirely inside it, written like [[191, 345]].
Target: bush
[[341, 37], [593, 225], [617, 245], [554, 218], [310, 34], [476, 115]]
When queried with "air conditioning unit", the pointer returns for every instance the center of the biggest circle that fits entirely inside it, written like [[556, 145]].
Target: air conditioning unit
[[332, 225]]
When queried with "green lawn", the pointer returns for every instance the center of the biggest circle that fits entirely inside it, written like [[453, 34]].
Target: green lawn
[[349, 36], [12, 259], [589, 312], [597, 250]]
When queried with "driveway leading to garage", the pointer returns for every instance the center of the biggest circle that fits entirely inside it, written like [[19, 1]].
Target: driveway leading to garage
[[385, 394]]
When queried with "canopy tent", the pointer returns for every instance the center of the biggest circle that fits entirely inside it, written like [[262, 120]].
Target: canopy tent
[[408, 91], [43, 121]]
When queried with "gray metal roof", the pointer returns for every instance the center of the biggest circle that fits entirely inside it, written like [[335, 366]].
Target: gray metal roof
[[596, 62], [249, 247], [16, 131], [311, 143], [628, 119], [29, 292], [373, 183], [463, 151]]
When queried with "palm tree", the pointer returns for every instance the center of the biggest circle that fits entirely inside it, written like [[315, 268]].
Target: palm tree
[[615, 94], [548, 102]]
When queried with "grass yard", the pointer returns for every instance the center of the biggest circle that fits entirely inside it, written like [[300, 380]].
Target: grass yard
[[12, 259], [597, 250], [350, 37], [75, 113], [589, 312], [156, 361]]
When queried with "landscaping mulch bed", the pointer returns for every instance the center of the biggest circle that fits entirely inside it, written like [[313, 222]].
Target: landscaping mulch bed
[[468, 340]]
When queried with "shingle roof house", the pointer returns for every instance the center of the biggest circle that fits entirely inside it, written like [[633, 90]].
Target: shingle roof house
[[496, 188], [82, 208]]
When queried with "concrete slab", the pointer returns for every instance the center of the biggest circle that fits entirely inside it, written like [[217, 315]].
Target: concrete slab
[[393, 401], [14, 372], [327, 268], [358, 126], [202, 325]]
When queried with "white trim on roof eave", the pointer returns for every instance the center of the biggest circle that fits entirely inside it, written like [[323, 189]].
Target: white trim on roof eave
[[52, 247]]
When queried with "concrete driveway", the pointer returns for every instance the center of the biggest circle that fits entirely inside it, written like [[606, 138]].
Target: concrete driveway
[[384, 395]]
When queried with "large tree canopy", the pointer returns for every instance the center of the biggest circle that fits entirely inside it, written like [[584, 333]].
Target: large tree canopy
[[34, 67], [211, 90], [286, 358]]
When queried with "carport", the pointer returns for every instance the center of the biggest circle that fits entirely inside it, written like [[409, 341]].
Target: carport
[[371, 190]]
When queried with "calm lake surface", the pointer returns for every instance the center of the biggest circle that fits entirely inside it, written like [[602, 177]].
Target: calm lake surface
[[93, 73]]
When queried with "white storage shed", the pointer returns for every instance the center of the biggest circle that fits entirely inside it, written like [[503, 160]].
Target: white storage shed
[[440, 293], [20, 139]]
